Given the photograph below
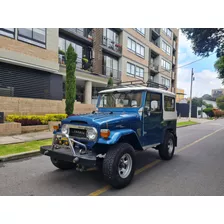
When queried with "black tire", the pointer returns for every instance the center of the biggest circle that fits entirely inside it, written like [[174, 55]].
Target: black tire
[[112, 162], [164, 152], [62, 164]]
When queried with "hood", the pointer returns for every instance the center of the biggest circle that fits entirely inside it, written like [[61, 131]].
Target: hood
[[99, 119]]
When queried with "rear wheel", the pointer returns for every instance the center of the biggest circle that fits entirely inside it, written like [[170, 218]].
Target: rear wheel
[[166, 150], [119, 165], [62, 164]]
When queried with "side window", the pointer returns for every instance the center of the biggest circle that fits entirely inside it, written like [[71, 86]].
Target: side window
[[169, 103], [153, 102]]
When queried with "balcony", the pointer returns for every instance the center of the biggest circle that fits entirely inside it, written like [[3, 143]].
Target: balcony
[[156, 32], [119, 30], [81, 64], [154, 68], [111, 47], [110, 72], [82, 35], [174, 60]]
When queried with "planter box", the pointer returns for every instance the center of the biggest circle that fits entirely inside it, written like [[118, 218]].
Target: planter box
[[52, 123], [34, 128], [11, 128]]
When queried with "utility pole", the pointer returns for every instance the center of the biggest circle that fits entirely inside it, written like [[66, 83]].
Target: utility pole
[[192, 79]]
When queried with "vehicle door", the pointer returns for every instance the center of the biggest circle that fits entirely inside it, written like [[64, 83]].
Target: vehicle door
[[152, 118]]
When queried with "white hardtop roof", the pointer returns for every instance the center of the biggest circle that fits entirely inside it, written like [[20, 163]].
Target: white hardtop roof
[[124, 89]]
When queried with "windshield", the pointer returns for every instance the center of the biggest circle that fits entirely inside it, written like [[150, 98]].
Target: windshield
[[120, 99]]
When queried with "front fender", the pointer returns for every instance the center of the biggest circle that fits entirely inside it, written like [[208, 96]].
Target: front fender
[[115, 136]]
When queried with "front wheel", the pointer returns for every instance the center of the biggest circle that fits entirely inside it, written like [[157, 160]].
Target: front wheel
[[119, 165], [166, 150], [62, 164]]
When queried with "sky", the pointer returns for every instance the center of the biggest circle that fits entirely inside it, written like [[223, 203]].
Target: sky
[[204, 72]]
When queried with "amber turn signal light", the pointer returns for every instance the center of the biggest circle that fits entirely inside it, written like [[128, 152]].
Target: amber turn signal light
[[55, 127], [104, 133]]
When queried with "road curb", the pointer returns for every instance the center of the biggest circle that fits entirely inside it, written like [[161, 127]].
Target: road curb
[[19, 156], [188, 125]]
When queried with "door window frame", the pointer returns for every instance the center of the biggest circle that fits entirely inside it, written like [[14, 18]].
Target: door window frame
[[146, 99]]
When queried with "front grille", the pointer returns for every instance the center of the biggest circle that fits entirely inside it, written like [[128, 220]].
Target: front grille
[[79, 133]]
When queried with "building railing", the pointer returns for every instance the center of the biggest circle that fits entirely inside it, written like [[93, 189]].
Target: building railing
[[82, 32], [111, 44], [155, 43], [80, 63], [154, 67], [110, 72]]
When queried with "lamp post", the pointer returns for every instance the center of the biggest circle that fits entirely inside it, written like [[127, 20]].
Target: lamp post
[[192, 79]]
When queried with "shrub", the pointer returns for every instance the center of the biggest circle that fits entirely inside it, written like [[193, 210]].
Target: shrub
[[55, 117], [209, 112], [27, 120]]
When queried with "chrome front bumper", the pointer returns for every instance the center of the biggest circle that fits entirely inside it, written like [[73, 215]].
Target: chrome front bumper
[[69, 153]]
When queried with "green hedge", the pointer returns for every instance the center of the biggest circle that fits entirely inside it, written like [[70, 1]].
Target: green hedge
[[209, 112], [27, 120]]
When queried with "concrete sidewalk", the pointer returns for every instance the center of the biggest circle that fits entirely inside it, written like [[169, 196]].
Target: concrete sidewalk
[[25, 137]]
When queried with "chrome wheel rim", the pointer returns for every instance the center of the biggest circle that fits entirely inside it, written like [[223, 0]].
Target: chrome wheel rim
[[125, 165], [170, 146]]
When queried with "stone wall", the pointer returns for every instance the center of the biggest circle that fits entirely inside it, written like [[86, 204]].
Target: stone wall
[[26, 106], [33, 128], [10, 129]]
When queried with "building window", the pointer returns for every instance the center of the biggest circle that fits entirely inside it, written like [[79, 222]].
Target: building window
[[168, 32], [111, 35], [135, 71], [136, 48], [80, 50], [8, 32], [166, 65], [111, 67], [166, 48], [141, 31], [169, 103], [35, 36], [166, 82]]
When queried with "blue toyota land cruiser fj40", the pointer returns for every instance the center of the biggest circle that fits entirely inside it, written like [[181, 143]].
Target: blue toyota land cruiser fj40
[[128, 118]]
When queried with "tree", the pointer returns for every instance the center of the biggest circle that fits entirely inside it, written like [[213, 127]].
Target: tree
[[110, 82], [219, 66], [206, 41], [110, 100], [70, 85], [207, 97], [197, 101], [220, 102]]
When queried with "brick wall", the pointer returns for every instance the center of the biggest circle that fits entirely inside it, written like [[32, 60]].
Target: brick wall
[[97, 49], [25, 106], [27, 49]]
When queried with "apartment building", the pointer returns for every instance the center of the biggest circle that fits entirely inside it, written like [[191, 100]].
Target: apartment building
[[32, 60], [217, 93]]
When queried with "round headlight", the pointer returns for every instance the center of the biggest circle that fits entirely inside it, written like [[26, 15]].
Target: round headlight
[[91, 133], [65, 129]]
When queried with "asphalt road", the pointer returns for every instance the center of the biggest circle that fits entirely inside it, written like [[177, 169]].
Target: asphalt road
[[196, 169]]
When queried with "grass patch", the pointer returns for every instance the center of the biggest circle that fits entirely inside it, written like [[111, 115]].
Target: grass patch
[[186, 123], [23, 147]]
